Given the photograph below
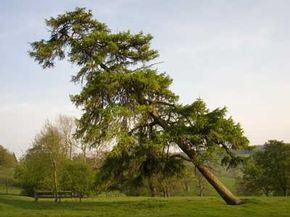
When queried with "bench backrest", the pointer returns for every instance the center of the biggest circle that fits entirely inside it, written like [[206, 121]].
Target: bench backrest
[[51, 194]]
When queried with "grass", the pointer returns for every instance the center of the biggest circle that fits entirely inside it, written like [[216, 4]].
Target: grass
[[11, 190], [16, 206]]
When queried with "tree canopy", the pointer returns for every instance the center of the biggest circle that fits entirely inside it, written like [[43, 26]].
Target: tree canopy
[[7, 159]]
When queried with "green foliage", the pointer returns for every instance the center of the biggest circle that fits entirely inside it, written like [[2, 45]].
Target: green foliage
[[122, 93], [137, 166], [50, 166], [125, 101], [8, 162], [77, 176], [7, 159], [268, 171], [42, 164], [209, 132]]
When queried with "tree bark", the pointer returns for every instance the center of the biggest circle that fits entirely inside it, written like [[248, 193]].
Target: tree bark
[[151, 187], [223, 191]]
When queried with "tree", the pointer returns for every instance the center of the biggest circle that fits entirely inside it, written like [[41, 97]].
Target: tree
[[33, 173], [66, 126], [124, 99], [42, 165], [77, 176], [8, 163], [268, 171], [7, 159]]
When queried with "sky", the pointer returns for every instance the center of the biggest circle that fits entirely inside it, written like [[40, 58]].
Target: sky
[[229, 53]]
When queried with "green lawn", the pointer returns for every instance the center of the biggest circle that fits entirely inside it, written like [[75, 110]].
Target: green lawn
[[15, 206]]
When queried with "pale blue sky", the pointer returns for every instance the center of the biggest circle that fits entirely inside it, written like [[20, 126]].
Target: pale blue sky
[[229, 53]]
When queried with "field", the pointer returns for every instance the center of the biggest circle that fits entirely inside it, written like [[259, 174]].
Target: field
[[11, 190], [16, 206]]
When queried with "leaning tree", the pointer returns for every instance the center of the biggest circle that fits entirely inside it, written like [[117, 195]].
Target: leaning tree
[[126, 102]]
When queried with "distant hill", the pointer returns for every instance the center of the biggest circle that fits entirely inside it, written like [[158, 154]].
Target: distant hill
[[251, 150]]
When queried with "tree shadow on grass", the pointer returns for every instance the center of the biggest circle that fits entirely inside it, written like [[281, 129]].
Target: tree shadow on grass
[[72, 204]]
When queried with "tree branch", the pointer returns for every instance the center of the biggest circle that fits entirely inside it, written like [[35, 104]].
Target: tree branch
[[146, 67], [143, 125], [181, 156]]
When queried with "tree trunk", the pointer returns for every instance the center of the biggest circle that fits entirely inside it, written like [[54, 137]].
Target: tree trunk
[[285, 192], [187, 148], [165, 191], [80, 197], [84, 150], [225, 193], [6, 185], [55, 181], [222, 190], [151, 187], [70, 151]]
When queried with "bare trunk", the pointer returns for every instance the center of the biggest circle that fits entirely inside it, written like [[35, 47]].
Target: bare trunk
[[223, 191], [151, 187], [55, 181], [266, 192], [165, 191], [70, 151], [80, 197], [285, 192], [6, 185], [84, 150], [186, 186]]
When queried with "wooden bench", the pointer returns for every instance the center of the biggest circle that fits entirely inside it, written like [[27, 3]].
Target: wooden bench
[[50, 194]]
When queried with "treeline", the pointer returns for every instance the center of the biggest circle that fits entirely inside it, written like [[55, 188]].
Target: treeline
[[59, 162], [8, 163]]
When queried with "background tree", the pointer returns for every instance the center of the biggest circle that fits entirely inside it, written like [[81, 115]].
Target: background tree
[[7, 159], [268, 171], [66, 126], [78, 177], [32, 172], [124, 99], [42, 165], [8, 163]]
